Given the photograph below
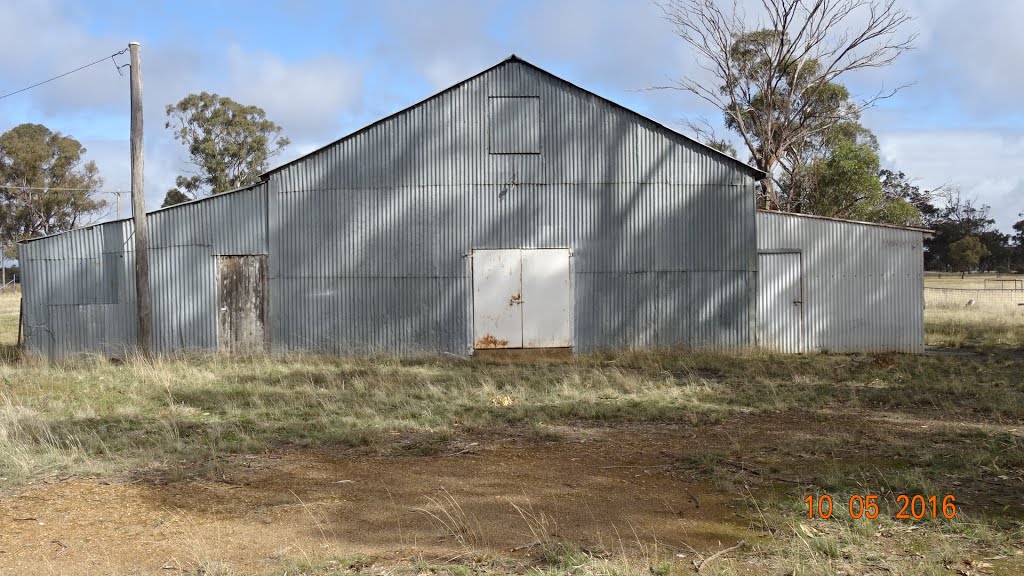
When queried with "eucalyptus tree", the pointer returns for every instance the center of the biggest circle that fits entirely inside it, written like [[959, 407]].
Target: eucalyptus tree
[[776, 77], [229, 144]]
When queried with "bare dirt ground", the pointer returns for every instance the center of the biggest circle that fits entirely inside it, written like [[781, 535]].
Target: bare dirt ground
[[615, 489], [605, 488]]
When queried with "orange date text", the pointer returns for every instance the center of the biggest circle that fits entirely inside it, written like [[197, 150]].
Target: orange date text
[[911, 507]]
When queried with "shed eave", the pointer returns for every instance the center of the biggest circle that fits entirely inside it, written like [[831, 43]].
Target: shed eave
[[925, 231], [161, 209]]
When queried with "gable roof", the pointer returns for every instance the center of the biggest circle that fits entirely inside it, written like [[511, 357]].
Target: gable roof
[[754, 172]]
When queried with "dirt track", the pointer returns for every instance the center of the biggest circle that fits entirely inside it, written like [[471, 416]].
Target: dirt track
[[601, 488], [606, 489]]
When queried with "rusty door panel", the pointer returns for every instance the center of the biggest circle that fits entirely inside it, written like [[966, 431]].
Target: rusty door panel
[[522, 299], [242, 304], [497, 309]]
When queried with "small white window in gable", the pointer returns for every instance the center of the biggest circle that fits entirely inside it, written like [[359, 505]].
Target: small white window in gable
[[513, 125]]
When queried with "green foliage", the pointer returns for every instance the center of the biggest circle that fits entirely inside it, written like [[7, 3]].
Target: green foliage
[[958, 218], [785, 109], [1017, 250], [788, 95], [966, 253], [58, 189], [777, 79], [229, 142], [897, 189], [174, 196], [833, 168], [845, 184]]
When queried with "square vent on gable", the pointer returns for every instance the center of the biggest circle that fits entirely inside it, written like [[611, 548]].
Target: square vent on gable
[[513, 125]]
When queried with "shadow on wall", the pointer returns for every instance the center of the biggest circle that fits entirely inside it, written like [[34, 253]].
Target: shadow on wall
[[368, 237], [862, 284], [369, 252]]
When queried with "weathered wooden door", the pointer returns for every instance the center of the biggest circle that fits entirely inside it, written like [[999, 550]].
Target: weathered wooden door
[[780, 298], [242, 303]]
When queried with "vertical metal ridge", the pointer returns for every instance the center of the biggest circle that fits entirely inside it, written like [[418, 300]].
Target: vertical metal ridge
[[367, 237], [862, 283]]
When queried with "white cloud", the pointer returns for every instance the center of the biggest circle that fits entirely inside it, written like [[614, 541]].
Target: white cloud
[[964, 62], [442, 42], [950, 126], [986, 165], [622, 44], [307, 98]]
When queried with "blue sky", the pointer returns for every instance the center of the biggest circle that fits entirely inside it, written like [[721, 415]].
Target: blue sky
[[323, 69]]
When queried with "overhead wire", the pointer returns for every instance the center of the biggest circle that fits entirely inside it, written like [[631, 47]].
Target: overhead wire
[[58, 77], [104, 59], [59, 189]]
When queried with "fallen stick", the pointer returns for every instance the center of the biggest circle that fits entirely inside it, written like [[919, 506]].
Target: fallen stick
[[468, 448], [525, 546], [718, 554]]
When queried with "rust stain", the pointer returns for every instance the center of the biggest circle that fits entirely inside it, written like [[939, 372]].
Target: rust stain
[[517, 297], [489, 341]]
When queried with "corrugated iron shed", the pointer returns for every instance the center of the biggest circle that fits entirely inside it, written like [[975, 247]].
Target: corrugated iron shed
[[368, 244], [369, 239], [861, 284]]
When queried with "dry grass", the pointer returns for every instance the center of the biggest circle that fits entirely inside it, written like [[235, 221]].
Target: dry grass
[[10, 302], [92, 415], [998, 327], [181, 417], [992, 320]]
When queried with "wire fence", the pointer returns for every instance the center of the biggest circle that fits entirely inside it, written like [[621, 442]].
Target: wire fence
[[1005, 284], [962, 297]]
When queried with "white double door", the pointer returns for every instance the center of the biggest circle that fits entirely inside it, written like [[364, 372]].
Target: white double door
[[522, 298]]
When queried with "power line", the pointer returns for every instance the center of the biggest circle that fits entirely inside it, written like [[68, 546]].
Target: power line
[[58, 189], [111, 57]]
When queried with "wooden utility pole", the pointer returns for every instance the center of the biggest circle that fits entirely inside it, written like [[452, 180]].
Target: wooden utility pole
[[143, 297]]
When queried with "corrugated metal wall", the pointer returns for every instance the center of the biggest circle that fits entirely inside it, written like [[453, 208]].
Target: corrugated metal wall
[[368, 236], [79, 287], [780, 304], [862, 284], [79, 291]]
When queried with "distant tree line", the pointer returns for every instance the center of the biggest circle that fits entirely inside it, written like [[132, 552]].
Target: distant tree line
[[966, 239]]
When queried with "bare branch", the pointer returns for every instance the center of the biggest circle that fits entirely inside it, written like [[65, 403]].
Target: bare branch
[[775, 82]]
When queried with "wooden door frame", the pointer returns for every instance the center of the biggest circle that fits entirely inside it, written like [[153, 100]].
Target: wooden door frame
[[265, 265]]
